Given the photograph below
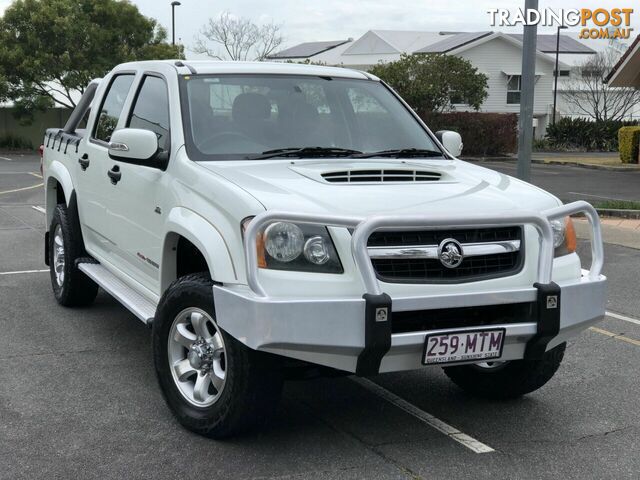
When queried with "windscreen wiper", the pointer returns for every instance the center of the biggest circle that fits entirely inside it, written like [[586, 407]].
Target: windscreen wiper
[[305, 152], [401, 152]]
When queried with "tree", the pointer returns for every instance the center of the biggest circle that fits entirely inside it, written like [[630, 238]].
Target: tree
[[236, 38], [587, 93], [434, 82], [51, 49]]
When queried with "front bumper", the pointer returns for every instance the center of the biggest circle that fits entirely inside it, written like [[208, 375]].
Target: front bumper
[[355, 334], [331, 332]]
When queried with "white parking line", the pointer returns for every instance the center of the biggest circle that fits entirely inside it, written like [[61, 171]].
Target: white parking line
[[452, 432], [22, 189], [622, 317], [6, 159], [38, 208], [21, 272]]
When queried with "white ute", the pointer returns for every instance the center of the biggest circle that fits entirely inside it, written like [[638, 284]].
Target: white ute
[[268, 220]]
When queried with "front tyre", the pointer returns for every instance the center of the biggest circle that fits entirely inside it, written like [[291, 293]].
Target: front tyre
[[214, 385], [71, 287], [505, 380]]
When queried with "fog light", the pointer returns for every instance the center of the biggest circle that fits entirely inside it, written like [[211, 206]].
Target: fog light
[[316, 251]]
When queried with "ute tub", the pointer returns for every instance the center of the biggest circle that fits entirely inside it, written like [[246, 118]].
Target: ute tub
[[349, 334]]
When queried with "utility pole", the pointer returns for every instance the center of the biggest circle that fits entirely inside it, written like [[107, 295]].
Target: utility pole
[[556, 73], [173, 21], [527, 86]]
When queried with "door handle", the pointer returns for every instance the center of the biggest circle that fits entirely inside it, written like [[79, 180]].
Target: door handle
[[115, 174], [84, 162]]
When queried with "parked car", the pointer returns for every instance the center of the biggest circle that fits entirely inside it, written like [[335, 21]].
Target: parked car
[[266, 218]]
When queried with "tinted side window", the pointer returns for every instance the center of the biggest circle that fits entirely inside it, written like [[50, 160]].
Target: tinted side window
[[151, 110], [112, 107]]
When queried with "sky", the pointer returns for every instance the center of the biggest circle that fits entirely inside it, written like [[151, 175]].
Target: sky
[[309, 20], [314, 20]]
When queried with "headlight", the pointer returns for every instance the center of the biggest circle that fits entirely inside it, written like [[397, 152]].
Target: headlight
[[316, 251], [564, 237], [302, 248], [283, 241], [558, 232]]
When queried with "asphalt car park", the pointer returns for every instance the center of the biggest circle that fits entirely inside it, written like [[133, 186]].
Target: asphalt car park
[[78, 394], [571, 183]]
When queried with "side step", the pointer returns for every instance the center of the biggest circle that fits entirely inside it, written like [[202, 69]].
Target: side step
[[140, 306]]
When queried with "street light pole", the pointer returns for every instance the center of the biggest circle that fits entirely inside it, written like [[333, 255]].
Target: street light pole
[[525, 122], [555, 80], [173, 21]]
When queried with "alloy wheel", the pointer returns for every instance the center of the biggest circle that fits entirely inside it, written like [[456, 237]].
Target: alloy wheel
[[197, 357], [58, 255]]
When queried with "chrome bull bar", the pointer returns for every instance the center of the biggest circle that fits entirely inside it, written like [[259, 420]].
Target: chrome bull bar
[[364, 227]]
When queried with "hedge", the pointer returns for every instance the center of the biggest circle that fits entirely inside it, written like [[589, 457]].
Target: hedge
[[482, 133], [14, 142], [580, 134], [629, 142]]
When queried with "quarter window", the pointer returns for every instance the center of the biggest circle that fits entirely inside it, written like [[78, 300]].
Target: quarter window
[[151, 110], [112, 107], [513, 88]]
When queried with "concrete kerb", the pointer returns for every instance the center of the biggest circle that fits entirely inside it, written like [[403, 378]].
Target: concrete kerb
[[611, 168]]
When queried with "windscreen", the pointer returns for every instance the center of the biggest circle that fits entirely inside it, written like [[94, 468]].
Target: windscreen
[[241, 116]]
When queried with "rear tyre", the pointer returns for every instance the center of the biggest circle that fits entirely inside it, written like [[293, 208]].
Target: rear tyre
[[214, 385], [505, 380], [71, 287]]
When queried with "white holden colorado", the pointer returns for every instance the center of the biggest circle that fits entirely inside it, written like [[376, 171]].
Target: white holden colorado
[[271, 219]]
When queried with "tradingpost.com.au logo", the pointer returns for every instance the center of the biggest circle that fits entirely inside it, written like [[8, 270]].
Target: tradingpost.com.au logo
[[612, 23]]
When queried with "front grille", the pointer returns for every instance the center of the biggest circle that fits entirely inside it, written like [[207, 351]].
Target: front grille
[[431, 270], [362, 176], [434, 237], [425, 320]]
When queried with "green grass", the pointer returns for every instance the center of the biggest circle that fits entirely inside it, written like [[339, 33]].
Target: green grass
[[617, 205]]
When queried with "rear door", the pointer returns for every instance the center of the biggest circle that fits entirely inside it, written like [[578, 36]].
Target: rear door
[[139, 199], [93, 164]]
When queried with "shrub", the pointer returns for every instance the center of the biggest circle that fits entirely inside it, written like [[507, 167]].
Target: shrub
[[629, 142], [482, 133], [541, 144], [15, 142], [433, 82], [581, 134]]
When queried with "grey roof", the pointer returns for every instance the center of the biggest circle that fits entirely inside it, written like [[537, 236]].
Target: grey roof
[[308, 49], [547, 44], [451, 42]]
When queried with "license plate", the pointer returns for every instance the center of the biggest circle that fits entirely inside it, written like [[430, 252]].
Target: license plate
[[476, 345]]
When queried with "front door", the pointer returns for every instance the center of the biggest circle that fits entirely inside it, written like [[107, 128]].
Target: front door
[[137, 205]]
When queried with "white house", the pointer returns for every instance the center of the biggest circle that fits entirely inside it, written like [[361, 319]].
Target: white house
[[496, 54], [576, 83]]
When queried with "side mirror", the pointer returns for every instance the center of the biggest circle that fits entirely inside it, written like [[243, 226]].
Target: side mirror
[[452, 141], [135, 146]]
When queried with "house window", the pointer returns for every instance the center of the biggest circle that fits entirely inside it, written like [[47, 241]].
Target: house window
[[590, 72], [514, 83]]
